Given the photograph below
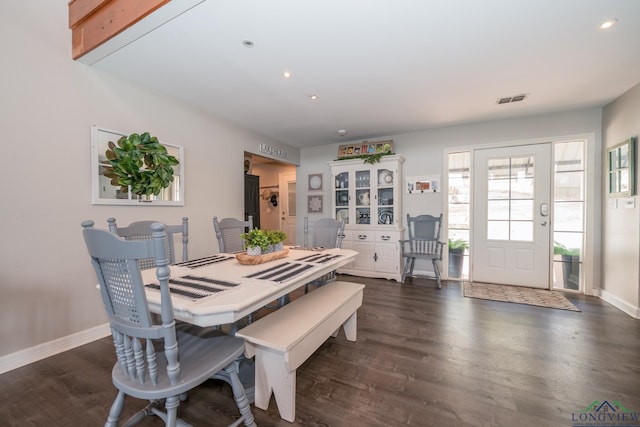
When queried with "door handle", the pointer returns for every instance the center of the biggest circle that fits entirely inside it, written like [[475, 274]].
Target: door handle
[[543, 223], [544, 209]]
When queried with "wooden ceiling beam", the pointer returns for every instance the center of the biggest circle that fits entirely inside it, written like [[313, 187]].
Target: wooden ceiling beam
[[93, 22]]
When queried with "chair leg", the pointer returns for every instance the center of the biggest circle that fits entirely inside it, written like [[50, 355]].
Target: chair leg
[[404, 270], [116, 410], [411, 265], [239, 394], [436, 271], [283, 300]]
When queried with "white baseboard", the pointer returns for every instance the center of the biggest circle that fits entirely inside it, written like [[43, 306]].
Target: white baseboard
[[631, 310], [41, 351]]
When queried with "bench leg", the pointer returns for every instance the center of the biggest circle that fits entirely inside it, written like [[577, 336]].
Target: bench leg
[[351, 327], [272, 374]]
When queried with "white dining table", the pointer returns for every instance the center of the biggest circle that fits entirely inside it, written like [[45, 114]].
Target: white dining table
[[219, 290]]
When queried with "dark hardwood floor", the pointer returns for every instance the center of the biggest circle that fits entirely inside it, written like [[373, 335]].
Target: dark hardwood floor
[[424, 357]]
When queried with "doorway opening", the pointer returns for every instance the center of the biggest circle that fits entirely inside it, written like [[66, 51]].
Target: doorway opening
[[266, 198], [567, 216]]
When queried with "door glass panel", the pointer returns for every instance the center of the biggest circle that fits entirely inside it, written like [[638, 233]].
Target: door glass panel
[[498, 230], [568, 216], [498, 188], [458, 216], [522, 188], [522, 231], [510, 207], [292, 198], [522, 210], [498, 209], [459, 208], [568, 212], [568, 186]]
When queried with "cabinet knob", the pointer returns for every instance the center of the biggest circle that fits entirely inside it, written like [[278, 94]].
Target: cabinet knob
[[362, 236]]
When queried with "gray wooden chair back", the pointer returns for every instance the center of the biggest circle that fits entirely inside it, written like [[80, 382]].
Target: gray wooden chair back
[[324, 232], [423, 243], [228, 231], [141, 230], [155, 360]]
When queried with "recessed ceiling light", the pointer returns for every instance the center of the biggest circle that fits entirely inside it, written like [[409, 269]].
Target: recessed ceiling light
[[247, 43], [608, 24], [286, 74], [313, 97]]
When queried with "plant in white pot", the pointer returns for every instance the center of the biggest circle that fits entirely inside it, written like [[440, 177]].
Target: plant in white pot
[[277, 238], [140, 163], [256, 241]]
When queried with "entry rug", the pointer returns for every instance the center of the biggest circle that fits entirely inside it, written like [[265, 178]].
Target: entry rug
[[518, 295]]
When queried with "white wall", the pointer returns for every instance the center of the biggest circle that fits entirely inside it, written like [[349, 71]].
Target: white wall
[[621, 226], [48, 103]]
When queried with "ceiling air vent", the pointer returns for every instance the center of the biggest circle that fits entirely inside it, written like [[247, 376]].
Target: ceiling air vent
[[509, 99]]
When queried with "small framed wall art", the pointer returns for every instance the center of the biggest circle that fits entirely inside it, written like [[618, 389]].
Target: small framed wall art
[[314, 204], [315, 182]]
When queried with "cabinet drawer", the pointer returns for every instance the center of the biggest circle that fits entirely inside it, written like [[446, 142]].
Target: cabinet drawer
[[387, 236], [363, 236], [347, 236]]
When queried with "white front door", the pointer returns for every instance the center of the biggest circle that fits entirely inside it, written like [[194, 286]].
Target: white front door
[[511, 222], [287, 190]]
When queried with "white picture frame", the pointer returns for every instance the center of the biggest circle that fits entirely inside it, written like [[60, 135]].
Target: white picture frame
[[103, 193]]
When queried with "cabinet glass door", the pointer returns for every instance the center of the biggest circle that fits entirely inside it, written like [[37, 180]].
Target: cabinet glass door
[[342, 197], [385, 196], [363, 196]]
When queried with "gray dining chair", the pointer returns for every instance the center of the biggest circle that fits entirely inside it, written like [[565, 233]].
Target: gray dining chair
[[156, 360], [141, 230], [423, 243], [323, 233], [228, 232]]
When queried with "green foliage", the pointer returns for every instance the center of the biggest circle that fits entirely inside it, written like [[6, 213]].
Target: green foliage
[[256, 237], [368, 158], [560, 249], [458, 245], [140, 161], [276, 236]]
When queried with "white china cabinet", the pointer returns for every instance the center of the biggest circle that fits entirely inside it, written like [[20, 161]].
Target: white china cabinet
[[368, 196]]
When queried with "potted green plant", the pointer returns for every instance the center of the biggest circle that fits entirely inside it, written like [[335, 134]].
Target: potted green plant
[[570, 258], [140, 163], [456, 256], [256, 241], [277, 238]]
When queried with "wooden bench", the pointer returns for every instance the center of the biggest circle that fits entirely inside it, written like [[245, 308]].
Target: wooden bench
[[284, 339]]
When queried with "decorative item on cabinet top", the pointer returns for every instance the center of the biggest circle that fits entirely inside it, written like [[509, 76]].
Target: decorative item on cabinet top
[[370, 152]]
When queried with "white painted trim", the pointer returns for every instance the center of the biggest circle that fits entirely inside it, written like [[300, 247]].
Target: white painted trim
[[624, 306], [42, 351]]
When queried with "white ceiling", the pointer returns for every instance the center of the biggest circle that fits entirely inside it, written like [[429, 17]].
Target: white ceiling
[[383, 67]]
